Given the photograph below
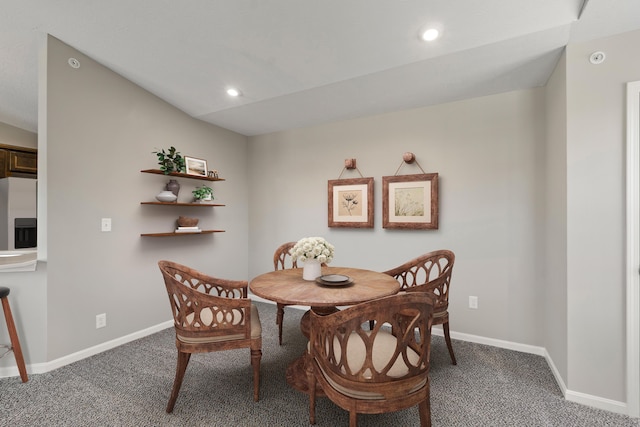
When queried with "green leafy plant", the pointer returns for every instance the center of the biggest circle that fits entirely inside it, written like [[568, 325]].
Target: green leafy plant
[[170, 160], [202, 192]]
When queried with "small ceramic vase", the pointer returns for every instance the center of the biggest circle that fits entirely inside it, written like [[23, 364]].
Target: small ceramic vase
[[311, 269], [173, 186], [166, 196]]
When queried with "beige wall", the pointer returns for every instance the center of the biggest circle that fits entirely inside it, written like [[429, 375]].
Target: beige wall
[[12, 135], [488, 153], [553, 280], [532, 202], [100, 134], [28, 299], [596, 131]]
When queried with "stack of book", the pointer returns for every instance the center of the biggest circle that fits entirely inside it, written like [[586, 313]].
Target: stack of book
[[195, 229]]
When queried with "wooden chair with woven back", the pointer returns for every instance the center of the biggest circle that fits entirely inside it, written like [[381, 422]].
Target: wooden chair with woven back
[[210, 314], [282, 260], [430, 273], [385, 369]]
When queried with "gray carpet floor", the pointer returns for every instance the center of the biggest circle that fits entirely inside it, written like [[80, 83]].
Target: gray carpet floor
[[130, 386]]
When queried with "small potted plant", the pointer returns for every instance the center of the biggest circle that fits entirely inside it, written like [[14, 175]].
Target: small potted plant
[[202, 194], [170, 160]]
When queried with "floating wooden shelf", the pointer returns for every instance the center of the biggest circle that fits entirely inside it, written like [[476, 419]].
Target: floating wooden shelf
[[171, 233], [180, 204], [181, 175]]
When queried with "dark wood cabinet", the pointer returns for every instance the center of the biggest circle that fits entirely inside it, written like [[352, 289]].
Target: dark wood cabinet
[[20, 162]]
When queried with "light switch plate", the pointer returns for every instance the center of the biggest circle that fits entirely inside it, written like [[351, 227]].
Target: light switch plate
[[106, 224], [101, 320], [473, 302]]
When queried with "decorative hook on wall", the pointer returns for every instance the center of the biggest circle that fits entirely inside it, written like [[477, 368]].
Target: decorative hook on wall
[[409, 158], [350, 164]]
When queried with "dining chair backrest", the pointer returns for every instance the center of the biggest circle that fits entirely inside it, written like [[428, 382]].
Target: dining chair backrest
[[282, 258], [210, 314], [429, 272], [374, 371]]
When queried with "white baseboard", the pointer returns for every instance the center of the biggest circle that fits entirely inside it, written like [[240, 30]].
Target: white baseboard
[[556, 374], [572, 396], [597, 402], [525, 348], [41, 368]]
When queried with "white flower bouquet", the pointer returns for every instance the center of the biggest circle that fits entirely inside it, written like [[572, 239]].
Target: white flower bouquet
[[313, 248]]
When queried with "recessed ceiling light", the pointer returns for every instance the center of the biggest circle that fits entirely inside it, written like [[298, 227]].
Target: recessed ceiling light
[[430, 34], [233, 92]]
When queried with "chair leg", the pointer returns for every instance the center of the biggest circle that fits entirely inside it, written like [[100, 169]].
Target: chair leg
[[279, 320], [256, 355], [353, 419], [447, 338], [15, 342], [181, 367], [425, 413]]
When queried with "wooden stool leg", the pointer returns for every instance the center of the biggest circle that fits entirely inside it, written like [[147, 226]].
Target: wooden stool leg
[[15, 343]]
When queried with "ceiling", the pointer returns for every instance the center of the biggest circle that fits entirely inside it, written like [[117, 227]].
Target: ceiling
[[302, 62]]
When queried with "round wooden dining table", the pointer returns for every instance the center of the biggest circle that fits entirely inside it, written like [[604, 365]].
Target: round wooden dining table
[[289, 288]]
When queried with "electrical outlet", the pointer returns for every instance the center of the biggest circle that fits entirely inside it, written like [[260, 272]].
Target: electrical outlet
[[101, 320], [106, 224], [473, 302]]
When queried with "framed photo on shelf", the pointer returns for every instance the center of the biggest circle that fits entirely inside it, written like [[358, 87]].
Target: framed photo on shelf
[[195, 166], [350, 203], [410, 201]]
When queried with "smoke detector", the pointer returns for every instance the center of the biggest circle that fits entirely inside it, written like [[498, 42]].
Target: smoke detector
[[597, 57]]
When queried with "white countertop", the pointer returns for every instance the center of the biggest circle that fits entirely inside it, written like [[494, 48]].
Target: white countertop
[[18, 260]]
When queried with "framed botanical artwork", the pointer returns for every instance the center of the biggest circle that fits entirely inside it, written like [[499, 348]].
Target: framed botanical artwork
[[351, 203], [195, 166], [410, 201]]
